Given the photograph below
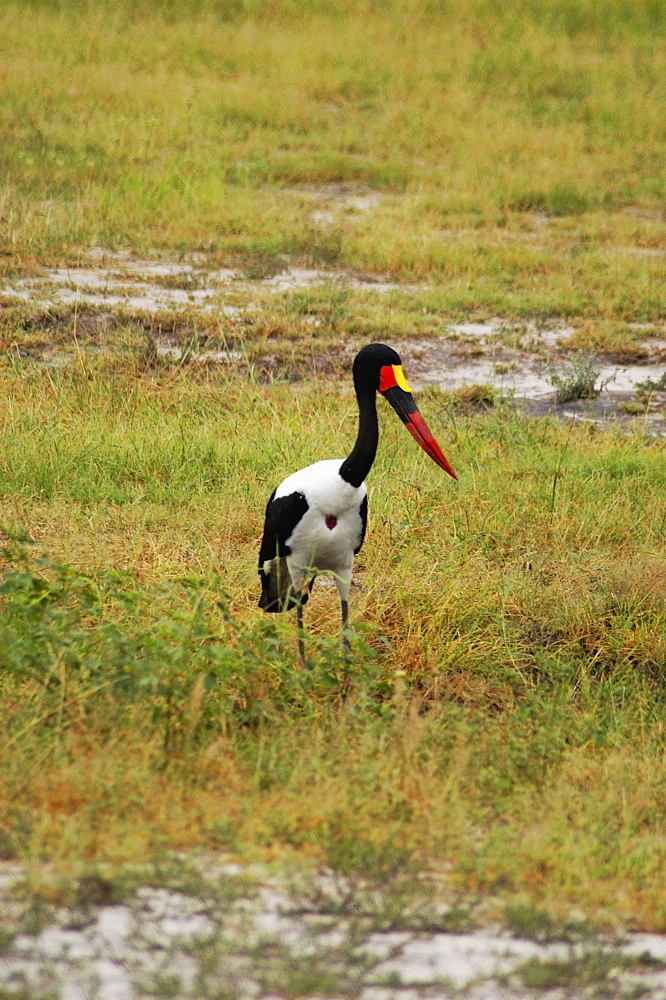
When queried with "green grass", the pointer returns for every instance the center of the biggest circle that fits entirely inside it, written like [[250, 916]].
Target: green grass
[[504, 723], [519, 157], [505, 716], [594, 968]]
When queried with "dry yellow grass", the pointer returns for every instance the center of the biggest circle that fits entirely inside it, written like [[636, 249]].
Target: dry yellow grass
[[504, 721], [505, 713]]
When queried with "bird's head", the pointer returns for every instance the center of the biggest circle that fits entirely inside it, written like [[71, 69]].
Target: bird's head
[[379, 367]]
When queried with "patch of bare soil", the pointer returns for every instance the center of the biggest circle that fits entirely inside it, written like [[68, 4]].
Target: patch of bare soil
[[180, 309], [141, 286], [205, 928], [513, 360]]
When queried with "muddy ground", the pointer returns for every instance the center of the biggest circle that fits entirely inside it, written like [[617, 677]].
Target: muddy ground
[[208, 928], [174, 299]]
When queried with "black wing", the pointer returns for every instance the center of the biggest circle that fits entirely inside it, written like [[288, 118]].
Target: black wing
[[282, 516], [363, 511]]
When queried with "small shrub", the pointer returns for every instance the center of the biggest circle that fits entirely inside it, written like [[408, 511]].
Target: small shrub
[[578, 379], [652, 385]]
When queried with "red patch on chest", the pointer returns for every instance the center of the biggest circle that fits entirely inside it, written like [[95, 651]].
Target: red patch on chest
[[331, 521]]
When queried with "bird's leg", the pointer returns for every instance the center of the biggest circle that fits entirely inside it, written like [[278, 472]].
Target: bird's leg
[[346, 645], [299, 624], [345, 632], [298, 577], [342, 582]]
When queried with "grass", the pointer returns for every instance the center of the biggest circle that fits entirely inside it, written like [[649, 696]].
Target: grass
[[525, 920], [594, 968], [619, 341], [505, 717], [504, 725], [517, 158]]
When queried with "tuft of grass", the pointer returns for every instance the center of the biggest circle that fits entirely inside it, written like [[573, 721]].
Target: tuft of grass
[[329, 305], [560, 199], [616, 340], [533, 922], [592, 968], [634, 407], [478, 396]]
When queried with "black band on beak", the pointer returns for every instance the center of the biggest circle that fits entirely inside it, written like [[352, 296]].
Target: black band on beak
[[402, 402]]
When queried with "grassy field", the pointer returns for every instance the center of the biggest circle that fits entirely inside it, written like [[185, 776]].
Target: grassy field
[[126, 124], [504, 725], [506, 713]]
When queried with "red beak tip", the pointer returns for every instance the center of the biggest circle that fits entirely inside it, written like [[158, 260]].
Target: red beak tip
[[419, 430]]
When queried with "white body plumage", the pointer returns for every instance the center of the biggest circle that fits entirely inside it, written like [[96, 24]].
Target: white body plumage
[[330, 530]]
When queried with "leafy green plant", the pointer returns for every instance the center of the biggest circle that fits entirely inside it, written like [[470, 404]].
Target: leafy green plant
[[652, 385], [71, 641], [577, 379]]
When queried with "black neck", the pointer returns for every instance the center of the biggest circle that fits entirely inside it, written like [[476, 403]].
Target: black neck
[[357, 465]]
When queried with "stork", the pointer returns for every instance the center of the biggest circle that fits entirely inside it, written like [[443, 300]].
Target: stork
[[316, 518]]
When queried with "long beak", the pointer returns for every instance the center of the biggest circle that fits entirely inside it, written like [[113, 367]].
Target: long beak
[[403, 403]]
